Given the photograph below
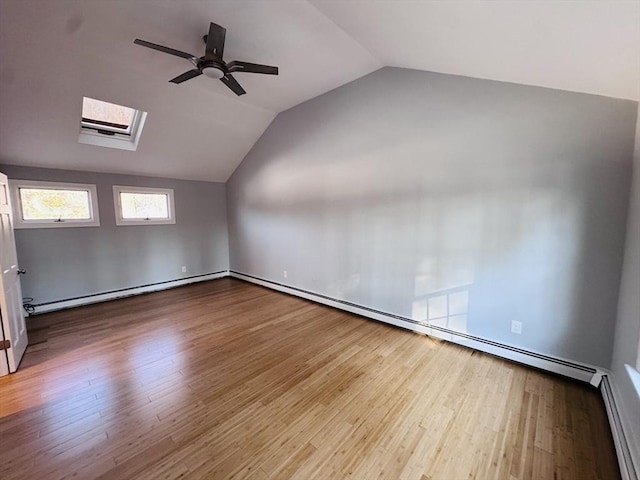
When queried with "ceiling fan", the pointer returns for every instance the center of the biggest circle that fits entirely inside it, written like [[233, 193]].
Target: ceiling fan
[[212, 64]]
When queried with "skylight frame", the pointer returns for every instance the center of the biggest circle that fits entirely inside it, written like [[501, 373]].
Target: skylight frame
[[112, 135]]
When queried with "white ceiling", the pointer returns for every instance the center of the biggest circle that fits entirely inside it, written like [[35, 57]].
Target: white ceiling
[[579, 45], [54, 52]]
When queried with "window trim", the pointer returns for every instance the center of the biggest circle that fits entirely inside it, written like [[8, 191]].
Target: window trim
[[118, 189], [19, 222], [102, 134]]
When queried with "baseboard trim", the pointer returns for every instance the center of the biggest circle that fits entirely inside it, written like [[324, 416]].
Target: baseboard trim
[[625, 456], [558, 365], [124, 292]]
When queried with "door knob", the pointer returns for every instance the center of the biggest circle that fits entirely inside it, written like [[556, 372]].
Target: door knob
[[21, 271]]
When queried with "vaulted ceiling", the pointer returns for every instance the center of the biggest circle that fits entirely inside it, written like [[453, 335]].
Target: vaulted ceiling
[[54, 52]]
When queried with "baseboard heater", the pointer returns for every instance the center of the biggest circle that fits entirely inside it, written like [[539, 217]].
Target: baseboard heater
[[625, 459], [123, 292], [561, 366]]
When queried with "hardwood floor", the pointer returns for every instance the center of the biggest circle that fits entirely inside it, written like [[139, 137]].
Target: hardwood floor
[[225, 379]]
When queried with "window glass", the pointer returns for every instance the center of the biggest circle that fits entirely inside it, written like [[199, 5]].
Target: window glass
[[144, 205], [105, 113], [43, 204]]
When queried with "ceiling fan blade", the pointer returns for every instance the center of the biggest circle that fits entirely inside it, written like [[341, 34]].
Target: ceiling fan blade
[[186, 76], [236, 66], [164, 49], [231, 82], [215, 42]]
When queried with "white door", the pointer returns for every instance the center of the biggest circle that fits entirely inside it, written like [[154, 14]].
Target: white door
[[14, 328]]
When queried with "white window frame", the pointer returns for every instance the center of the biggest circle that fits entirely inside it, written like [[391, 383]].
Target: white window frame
[[123, 140], [20, 222], [118, 189]]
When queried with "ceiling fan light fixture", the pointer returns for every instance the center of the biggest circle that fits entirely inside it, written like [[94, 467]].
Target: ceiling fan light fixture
[[213, 72]]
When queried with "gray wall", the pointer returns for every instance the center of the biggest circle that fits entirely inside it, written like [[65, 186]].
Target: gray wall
[[406, 191], [64, 263], [626, 349]]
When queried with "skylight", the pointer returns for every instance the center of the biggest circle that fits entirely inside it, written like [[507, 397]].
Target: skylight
[[110, 125], [108, 116]]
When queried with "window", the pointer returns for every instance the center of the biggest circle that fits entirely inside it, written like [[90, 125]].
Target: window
[[143, 206], [52, 204], [110, 125]]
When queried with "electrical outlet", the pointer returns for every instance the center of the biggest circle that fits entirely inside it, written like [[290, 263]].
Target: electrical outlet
[[516, 327], [184, 269], [284, 273]]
